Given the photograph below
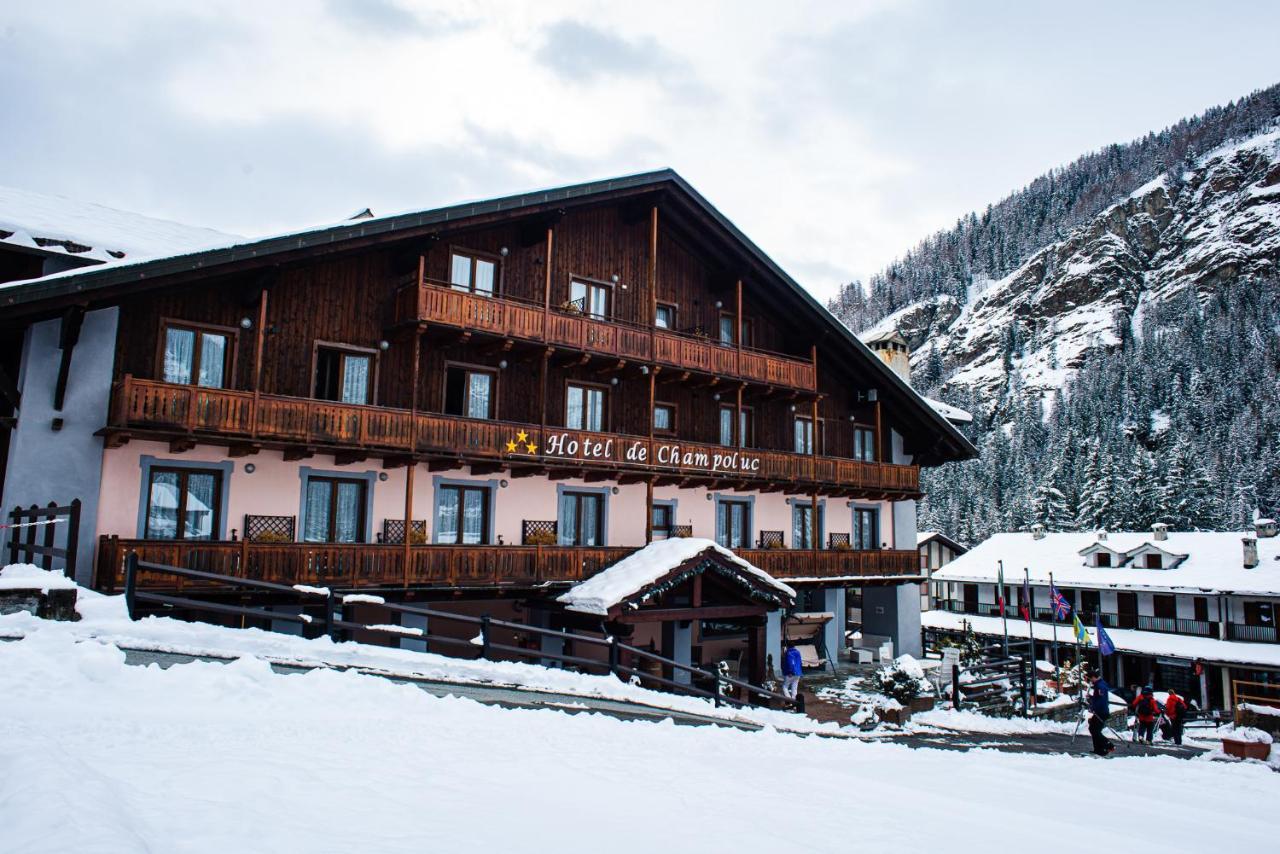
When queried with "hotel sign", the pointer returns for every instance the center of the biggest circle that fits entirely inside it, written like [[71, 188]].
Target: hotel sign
[[594, 447]]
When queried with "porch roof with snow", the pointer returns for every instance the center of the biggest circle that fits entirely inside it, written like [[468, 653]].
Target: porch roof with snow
[[643, 576], [1214, 562]]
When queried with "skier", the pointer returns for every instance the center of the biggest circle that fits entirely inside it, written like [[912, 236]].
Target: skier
[[791, 667], [1148, 710], [1099, 710], [1175, 709]]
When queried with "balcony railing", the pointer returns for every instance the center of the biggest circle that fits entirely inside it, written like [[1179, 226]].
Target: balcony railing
[[1257, 634], [431, 302], [361, 565], [1165, 625], [291, 421]]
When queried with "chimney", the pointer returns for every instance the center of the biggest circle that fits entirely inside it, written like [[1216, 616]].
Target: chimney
[[1160, 530], [1264, 528], [1250, 552], [1037, 531], [894, 351], [1102, 535]]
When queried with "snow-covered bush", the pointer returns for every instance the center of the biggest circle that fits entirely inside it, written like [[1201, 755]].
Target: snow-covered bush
[[903, 680]]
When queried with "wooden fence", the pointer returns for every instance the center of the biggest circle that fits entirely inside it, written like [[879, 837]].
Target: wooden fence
[[33, 535]]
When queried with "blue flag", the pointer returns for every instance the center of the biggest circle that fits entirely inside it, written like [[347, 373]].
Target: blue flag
[[1061, 608], [1105, 646]]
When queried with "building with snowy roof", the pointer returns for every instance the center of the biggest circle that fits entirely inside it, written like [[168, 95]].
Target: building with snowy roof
[[479, 407], [1192, 610]]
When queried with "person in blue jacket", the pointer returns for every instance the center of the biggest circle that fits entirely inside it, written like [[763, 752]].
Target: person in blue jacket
[[791, 672], [1099, 711]]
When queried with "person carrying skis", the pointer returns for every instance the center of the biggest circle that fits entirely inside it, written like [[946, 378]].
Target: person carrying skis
[[1148, 710], [791, 669], [1175, 709], [1099, 710]]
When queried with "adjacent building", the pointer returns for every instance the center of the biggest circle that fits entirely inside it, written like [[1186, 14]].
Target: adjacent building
[[480, 406], [1195, 611], [936, 551]]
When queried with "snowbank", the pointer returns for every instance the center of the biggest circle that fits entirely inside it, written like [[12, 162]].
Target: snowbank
[[98, 756], [26, 576]]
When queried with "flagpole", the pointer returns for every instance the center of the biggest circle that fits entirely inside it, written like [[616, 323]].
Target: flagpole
[[1031, 632], [1053, 611], [1004, 608]]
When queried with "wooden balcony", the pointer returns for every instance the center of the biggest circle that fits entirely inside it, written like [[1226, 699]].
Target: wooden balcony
[[354, 566], [182, 412], [440, 304]]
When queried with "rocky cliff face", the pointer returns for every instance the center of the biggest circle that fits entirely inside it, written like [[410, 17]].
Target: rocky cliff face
[[1214, 222]]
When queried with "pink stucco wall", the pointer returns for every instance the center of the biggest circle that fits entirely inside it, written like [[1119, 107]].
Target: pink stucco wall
[[274, 488]]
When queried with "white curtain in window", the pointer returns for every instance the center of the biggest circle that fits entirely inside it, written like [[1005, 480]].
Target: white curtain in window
[[355, 379], [162, 508], [179, 350], [478, 391], [726, 426], [201, 489], [567, 526], [316, 527], [473, 517], [573, 408], [346, 523], [484, 277], [447, 516], [460, 272], [590, 534], [213, 360], [595, 409]]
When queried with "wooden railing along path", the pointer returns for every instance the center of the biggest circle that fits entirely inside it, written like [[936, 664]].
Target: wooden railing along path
[[432, 302], [140, 403]]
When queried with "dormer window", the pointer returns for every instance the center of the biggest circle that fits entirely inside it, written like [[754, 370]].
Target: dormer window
[[1152, 560], [1102, 558]]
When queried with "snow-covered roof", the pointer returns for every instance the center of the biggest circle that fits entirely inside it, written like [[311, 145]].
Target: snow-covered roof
[[1209, 650], [85, 230], [636, 571], [1214, 562], [923, 537], [954, 414]]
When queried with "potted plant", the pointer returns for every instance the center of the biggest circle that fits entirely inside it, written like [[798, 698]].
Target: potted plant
[[541, 538], [903, 681], [270, 537]]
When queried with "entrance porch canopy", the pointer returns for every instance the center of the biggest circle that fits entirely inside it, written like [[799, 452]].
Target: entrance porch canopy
[[641, 580]]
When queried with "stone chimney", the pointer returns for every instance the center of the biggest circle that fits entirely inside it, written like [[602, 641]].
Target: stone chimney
[[1250, 552], [894, 351], [1037, 531], [1264, 528], [1102, 535], [1160, 530]]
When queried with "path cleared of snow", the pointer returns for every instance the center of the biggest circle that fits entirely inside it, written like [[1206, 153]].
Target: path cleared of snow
[[97, 756]]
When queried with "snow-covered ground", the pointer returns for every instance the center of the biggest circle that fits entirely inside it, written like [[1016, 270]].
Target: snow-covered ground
[[97, 756]]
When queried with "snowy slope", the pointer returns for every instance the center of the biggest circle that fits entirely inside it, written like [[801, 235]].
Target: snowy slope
[[97, 232], [97, 756], [1218, 221]]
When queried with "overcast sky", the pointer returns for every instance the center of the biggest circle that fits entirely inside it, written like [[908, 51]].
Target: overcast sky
[[835, 134]]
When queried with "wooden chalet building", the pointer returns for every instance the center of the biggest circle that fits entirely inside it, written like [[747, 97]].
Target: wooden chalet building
[[478, 406]]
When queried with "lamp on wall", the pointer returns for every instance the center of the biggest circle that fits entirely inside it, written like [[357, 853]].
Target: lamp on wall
[[614, 278], [644, 369], [384, 344], [504, 252], [502, 483], [716, 396], [502, 365], [719, 304], [613, 381], [246, 323]]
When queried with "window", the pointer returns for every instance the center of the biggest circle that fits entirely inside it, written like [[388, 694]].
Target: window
[[182, 504], [1102, 558], [463, 515], [1127, 609], [1258, 614], [1090, 604], [334, 511], [344, 374], [581, 519], [663, 520], [585, 407], [1201, 606], [665, 318], [1152, 561], [664, 418], [744, 436], [802, 534], [196, 355], [726, 330], [473, 271], [733, 524], [1164, 606], [803, 435], [469, 391], [592, 298], [864, 444], [866, 528]]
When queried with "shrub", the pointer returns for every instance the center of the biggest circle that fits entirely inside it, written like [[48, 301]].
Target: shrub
[[902, 680], [541, 538], [271, 537]]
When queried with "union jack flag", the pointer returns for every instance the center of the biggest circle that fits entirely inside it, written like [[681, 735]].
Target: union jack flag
[[1061, 607]]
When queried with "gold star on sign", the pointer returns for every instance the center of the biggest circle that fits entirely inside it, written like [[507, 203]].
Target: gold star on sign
[[522, 437], [511, 447], [532, 447]]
